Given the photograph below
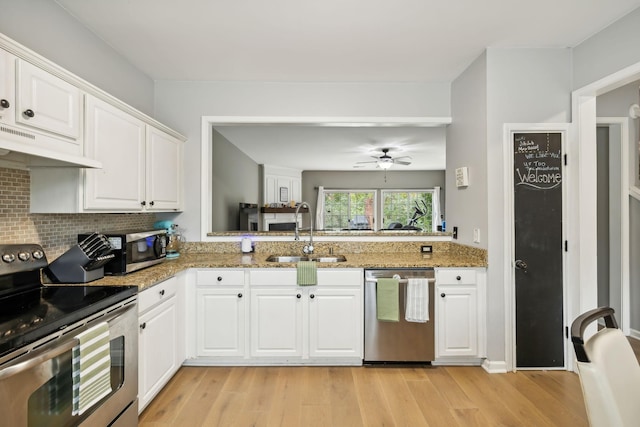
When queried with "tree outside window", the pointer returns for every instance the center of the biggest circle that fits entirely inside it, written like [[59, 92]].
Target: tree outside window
[[352, 210], [402, 208]]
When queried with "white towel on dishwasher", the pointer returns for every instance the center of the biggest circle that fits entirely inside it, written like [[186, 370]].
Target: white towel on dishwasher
[[417, 301]]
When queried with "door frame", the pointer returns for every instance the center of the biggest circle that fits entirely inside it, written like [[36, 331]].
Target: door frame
[[509, 234], [625, 298]]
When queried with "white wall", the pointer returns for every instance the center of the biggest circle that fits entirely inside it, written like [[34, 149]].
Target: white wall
[[182, 104], [45, 28]]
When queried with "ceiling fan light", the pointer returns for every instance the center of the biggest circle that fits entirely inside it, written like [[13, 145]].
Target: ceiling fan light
[[384, 164]]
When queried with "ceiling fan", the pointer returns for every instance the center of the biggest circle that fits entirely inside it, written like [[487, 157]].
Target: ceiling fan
[[386, 161]]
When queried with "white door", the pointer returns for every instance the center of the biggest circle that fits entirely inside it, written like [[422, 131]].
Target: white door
[[157, 347], [116, 139], [335, 322], [7, 87], [220, 322], [276, 322], [457, 321], [47, 102], [164, 171]]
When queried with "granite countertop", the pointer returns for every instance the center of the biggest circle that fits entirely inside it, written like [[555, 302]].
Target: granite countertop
[[152, 275]]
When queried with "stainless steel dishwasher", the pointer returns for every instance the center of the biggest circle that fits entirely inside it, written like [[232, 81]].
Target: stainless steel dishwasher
[[400, 341]]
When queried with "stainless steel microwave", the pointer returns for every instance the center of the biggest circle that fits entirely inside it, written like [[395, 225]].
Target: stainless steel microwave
[[134, 250]]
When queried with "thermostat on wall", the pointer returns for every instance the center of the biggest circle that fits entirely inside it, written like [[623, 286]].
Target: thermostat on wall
[[462, 177]]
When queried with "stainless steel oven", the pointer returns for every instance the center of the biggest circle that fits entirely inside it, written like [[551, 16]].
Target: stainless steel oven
[[40, 326]]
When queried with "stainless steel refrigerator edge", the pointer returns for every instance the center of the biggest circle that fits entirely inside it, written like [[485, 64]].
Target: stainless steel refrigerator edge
[[400, 341]]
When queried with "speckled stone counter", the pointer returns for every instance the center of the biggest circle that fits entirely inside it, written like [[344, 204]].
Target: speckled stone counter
[[378, 256]]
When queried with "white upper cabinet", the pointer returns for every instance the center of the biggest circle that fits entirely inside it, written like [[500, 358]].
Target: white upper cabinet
[[141, 168], [41, 117], [7, 87], [57, 124], [117, 140], [47, 102], [164, 171]]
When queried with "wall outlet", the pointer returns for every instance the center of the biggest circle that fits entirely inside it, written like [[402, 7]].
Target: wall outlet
[[426, 249], [455, 233], [476, 235]]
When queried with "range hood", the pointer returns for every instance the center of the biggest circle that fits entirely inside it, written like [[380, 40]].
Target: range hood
[[18, 149]]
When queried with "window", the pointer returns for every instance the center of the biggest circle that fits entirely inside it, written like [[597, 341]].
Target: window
[[349, 209], [407, 208]]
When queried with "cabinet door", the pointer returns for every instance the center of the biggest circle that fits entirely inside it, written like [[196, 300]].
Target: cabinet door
[[116, 139], [335, 322], [457, 321], [220, 326], [157, 350], [47, 102], [276, 322], [164, 171], [7, 87]]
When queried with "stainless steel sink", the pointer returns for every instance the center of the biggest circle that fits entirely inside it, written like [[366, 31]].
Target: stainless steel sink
[[328, 258], [296, 258], [287, 258]]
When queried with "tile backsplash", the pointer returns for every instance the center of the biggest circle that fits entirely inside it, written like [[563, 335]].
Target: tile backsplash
[[55, 232]]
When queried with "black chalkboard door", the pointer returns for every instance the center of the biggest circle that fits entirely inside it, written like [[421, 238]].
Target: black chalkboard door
[[538, 249]]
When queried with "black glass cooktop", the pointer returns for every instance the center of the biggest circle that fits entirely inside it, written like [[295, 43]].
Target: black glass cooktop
[[33, 314]]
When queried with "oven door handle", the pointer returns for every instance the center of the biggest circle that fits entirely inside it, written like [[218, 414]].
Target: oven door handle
[[38, 359]]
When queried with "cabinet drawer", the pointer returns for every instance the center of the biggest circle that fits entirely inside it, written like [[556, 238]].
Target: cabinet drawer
[[157, 294], [275, 276], [453, 277], [219, 277], [332, 276], [288, 276]]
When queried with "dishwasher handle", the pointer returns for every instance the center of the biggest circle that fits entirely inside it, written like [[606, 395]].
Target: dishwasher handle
[[374, 280]]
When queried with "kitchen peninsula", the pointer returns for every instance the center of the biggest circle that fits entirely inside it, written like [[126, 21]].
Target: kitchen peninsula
[[358, 254], [216, 306]]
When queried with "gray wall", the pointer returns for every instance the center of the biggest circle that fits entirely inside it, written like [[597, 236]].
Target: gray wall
[[45, 28], [370, 180], [504, 86], [467, 147], [608, 51], [234, 180]]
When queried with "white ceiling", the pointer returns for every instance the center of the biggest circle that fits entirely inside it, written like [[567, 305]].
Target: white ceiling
[[333, 41], [338, 148]]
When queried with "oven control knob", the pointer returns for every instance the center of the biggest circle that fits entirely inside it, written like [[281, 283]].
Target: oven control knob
[[24, 256], [37, 254], [8, 257]]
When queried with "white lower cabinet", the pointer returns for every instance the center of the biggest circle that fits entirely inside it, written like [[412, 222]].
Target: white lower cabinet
[[310, 323], [460, 318], [220, 309], [160, 338], [276, 322], [335, 322], [260, 316]]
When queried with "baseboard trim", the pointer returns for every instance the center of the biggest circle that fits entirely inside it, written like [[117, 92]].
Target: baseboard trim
[[634, 333], [494, 367]]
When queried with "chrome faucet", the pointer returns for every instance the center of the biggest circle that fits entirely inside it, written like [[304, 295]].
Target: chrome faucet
[[308, 249]]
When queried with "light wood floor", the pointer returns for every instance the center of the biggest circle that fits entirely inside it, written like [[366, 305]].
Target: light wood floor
[[366, 396]]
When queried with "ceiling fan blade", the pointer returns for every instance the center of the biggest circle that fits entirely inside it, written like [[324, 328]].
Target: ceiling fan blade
[[403, 157], [401, 162], [375, 161]]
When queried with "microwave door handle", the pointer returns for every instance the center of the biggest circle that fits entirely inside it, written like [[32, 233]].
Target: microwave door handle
[[38, 359], [157, 246]]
